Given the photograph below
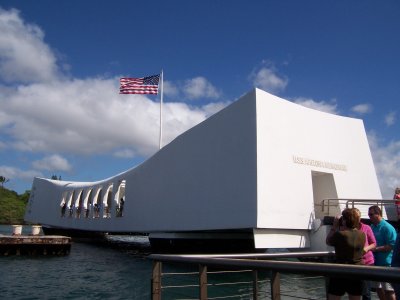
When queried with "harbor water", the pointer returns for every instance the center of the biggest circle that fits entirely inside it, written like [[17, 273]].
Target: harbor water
[[90, 271], [116, 271]]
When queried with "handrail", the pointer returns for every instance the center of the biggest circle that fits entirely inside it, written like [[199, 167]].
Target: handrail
[[374, 273], [299, 254], [369, 202], [379, 202]]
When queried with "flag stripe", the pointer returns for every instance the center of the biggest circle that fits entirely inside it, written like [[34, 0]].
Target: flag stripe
[[143, 85]]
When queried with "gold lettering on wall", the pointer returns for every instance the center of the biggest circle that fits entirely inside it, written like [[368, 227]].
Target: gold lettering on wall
[[319, 163]]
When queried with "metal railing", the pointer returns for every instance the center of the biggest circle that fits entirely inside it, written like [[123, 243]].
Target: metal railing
[[254, 263], [350, 203]]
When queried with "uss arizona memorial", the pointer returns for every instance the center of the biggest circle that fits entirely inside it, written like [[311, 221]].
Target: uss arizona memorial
[[258, 170]]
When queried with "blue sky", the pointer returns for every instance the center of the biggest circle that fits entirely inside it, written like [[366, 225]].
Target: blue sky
[[60, 62]]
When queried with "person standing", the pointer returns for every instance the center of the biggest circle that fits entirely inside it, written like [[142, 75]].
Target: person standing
[[349, 243], [385, 236], [368, 257], [396, 198], [396, 263]]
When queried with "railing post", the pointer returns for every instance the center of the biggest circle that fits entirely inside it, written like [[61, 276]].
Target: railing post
[[255, 284], [275, 286], [329, 205], [326, 285], [156, 281], [203, 282]]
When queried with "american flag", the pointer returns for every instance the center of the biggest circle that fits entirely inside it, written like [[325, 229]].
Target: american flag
[[143, 85]]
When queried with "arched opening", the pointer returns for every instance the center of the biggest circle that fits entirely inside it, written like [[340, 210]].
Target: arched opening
[[107, 202], [70, 203], [324, 187], [63, 204], [120, 199], [87, 203], [97, 203], [79, 204]]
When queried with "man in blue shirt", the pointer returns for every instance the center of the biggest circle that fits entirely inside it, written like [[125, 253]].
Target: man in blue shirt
[[396, 263], [385, 236]]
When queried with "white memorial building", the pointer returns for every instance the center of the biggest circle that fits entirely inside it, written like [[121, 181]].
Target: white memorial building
[[258, 170]]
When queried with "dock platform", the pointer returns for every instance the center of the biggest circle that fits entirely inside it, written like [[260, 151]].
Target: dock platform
[[34, 245]]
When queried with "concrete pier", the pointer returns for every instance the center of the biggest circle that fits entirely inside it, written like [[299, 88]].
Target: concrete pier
[[34, 245]]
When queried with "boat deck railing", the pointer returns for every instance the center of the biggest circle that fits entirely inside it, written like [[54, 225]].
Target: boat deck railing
[[328, 203], [265, 274]]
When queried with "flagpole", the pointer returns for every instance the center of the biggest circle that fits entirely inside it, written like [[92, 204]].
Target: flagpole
[[161, 104]]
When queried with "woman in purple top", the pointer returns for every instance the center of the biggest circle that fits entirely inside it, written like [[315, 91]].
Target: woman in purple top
[[368, 257], [370, 242]]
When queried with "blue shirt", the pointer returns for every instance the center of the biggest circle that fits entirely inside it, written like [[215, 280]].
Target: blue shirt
[[385, 234], [396, 253]]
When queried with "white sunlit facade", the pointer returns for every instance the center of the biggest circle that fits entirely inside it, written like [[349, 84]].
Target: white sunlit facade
[[259, 169]]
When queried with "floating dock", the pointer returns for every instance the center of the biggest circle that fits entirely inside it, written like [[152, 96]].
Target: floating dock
[[34, 245]]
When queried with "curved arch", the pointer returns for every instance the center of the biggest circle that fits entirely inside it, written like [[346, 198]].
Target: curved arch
[[119, 198], [96, 194], [116, 190], [88, 202], [107, 201], [69, 197], [63, 198], [77, 198], [78, 203], [63, 203], [96, 202], [86, 197], [70, 203]]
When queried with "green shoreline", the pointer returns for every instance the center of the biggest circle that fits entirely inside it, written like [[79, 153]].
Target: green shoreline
[[12, 206]]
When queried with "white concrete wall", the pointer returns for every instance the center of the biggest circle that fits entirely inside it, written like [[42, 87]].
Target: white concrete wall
[[286, 130], [205, 179]]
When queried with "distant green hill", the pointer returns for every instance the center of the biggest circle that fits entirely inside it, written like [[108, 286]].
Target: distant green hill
[[12, 206]]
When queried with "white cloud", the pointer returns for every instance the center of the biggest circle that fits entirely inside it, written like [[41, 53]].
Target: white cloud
[[266, 78], [200, 87], [318, 105], [362, 108], [24, 57], [390, 118], [170, 89], [124, 153], [88, 116], [387, 164], [15, 173], [5, 119], [51, 113], [191, 89], [55, 114], [52, 163]]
